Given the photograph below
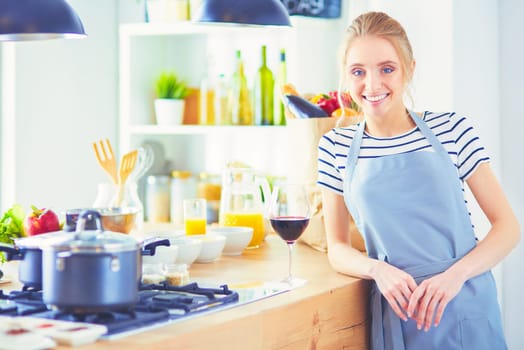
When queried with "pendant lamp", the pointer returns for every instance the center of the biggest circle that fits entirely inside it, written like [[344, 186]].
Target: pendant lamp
[[248, 12], [22, 20]]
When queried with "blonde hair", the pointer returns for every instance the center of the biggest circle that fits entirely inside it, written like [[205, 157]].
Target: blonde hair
[[381, 25]]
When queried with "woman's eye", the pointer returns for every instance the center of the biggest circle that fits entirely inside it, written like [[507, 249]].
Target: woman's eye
[[388, 70], [357, 72]]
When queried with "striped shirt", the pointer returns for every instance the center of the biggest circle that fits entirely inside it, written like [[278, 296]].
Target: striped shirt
[[454, 132]]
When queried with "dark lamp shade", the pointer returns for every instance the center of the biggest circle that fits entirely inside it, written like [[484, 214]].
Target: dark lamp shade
[[247, 12], [38, 19]]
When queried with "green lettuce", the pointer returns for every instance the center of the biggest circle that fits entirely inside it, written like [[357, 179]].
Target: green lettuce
[[11, 226]]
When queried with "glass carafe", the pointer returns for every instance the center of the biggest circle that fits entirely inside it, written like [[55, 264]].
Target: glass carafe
[[243, 201]]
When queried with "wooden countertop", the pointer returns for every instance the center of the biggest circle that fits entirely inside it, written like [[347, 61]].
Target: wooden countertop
[[328, 312]]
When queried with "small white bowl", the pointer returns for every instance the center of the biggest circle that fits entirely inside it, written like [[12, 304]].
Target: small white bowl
[[188, 249], [237, 238], [212, 246], [163, 255]]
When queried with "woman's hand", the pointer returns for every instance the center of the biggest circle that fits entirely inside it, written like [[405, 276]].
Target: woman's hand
[[431, 297], [395, 285]]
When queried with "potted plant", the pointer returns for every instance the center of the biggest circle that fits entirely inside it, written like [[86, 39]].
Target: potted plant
[[171, 92]]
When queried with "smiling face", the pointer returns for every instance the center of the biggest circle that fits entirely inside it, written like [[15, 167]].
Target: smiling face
[[375, 76]]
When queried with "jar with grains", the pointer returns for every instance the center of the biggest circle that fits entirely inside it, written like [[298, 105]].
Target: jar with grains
[[157, 198], [176, 274], [210, 188], [153, 273], [183, 186]]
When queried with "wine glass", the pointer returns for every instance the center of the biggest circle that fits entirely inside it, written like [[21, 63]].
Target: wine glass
[[289, 213]]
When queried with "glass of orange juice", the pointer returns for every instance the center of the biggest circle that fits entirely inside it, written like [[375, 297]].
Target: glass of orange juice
[[195, 216], [250, 219]]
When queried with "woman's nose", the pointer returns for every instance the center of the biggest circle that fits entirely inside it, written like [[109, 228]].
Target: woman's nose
[[373, 81]]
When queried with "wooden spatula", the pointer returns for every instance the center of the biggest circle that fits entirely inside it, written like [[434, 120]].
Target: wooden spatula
[[126, 167], [106, 158]]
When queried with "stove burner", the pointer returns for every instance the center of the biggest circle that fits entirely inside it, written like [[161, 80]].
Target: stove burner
[[32, 287], [158, 304], [21, 303]]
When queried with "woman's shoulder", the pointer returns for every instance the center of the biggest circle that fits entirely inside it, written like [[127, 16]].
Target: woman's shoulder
[[444, 120], [341, 134]]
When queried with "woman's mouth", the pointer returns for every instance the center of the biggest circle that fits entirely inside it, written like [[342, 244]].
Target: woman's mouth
[[375, 98]]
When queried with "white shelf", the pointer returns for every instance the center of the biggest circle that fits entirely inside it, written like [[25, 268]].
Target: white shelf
[[202, 129], [196, 50]]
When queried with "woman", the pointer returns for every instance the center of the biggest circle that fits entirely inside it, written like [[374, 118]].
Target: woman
[[401, 175]]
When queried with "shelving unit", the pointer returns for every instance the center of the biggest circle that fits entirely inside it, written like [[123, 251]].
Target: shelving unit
[[197, 51]]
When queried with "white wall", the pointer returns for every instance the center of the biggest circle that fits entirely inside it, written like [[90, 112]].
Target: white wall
[[66, 98], [511, 13]]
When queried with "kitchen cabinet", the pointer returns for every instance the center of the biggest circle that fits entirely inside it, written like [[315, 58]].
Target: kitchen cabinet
[[198, 52]]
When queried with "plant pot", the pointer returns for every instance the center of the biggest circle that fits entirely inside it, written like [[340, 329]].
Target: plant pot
[[169, 111]]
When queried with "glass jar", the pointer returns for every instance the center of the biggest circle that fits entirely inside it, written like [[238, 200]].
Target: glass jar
[[153, 273], [209, 187], [176, 274], [183, 186], [157, 198], [105, 198]]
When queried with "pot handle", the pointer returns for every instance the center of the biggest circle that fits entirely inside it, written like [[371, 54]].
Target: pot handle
[[82, 219], [12, 253], [149, 245]]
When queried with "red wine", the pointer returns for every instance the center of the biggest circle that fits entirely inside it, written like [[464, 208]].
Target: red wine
[[289, 227]]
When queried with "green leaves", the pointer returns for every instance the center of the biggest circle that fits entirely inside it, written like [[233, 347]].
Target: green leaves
[[11, 225], [169, 86]]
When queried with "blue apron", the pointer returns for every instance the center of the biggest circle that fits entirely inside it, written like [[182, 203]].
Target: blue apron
[[411, 212]]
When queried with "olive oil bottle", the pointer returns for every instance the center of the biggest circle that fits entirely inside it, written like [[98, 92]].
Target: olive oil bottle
[[280, 116], [239, 102], [264, 107]]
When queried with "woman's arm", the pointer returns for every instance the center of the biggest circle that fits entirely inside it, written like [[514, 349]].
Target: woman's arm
[[504, 233], [434, 294], [395, 284]]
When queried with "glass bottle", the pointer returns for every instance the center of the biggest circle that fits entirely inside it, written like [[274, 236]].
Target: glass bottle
[[280, 116], [157, 198], [183, 186], [206, 108], [222, 115], [239, 98], [264, 107]]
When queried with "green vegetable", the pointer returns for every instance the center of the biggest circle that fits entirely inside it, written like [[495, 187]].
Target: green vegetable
[[11, 226]]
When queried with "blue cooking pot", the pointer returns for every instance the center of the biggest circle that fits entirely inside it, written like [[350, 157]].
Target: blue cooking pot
[[94, 270]]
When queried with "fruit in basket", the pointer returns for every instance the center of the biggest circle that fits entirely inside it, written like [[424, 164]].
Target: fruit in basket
[[41, 221], [346, 112], [330, 102]]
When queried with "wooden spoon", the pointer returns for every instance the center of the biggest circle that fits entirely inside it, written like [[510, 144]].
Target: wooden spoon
[[106, 158], [126, 167]]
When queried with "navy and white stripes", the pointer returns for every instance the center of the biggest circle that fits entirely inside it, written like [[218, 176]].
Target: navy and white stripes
[[453, 131]]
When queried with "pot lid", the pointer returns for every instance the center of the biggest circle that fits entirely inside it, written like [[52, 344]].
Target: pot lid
[[93, 241], [36, 242]]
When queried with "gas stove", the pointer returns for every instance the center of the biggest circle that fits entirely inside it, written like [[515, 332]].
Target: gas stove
[[158, 305]]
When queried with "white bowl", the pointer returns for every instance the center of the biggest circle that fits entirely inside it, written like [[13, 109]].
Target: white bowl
[[212, 246], [188, 249], [163, 255], [237, 238]]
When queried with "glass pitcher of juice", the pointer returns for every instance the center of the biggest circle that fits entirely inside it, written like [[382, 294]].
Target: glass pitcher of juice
[[243, 201]]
